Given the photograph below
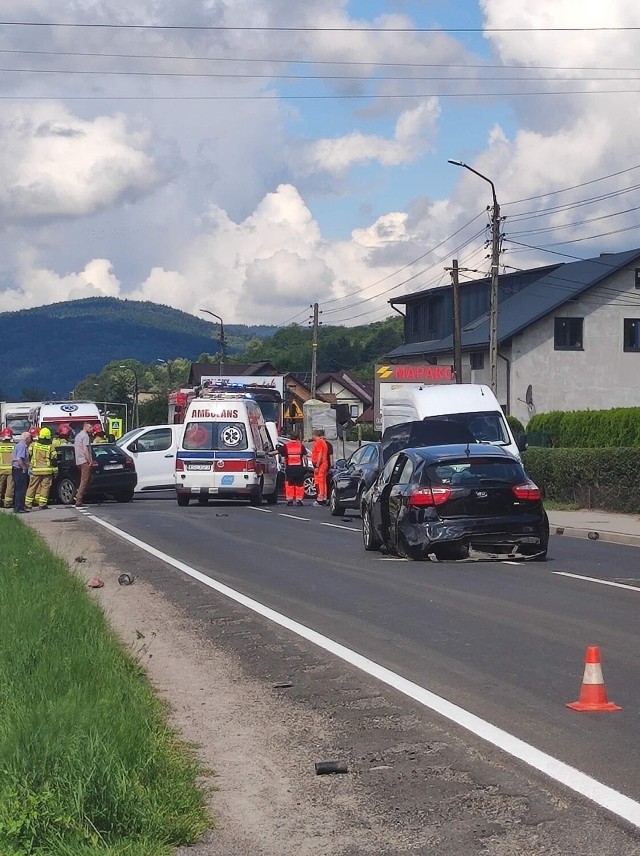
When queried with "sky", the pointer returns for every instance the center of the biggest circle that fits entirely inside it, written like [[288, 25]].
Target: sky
[[252, 157]]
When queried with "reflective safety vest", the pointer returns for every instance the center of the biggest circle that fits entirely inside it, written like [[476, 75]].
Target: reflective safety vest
[[99, 441], [6, 451], [41, 454], [59, 441], [293, 452]]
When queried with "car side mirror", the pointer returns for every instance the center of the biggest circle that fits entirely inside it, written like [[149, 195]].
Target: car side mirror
[[133, 447], [521, 442], [340, 464]]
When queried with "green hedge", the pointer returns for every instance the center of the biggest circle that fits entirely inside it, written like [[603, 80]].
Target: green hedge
[[593, 478], [586, 429]]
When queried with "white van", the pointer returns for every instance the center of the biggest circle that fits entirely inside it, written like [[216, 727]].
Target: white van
[[472, 404], [225, 451], [154, 450], [73, 413]]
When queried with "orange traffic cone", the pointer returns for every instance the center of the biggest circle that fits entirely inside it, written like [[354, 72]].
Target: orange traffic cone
[[593, 695]]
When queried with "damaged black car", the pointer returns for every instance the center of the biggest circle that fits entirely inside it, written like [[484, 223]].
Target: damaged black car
[[455, 502]]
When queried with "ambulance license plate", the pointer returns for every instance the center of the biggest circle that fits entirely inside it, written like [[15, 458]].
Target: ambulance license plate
[[198, 466]]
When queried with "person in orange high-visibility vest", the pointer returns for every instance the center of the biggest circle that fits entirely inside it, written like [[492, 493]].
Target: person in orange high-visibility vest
[[292, 453], [320, 461]]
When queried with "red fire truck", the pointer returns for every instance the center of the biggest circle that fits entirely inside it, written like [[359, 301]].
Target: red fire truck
[[268, 397]]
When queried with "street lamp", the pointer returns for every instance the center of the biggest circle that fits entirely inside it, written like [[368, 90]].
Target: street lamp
[[136, 396], [166, 363], [223, 342], [495, 258]]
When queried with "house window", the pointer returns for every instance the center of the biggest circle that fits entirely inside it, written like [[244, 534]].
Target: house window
[[637, 277], [354, 411], [632, 334], [477, 361], [567, 334]]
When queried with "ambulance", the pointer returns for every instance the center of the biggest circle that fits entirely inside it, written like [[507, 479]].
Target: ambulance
[[73, 413], [225, 451]]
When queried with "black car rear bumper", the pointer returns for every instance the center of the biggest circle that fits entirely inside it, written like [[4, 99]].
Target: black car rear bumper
[[489, 535]]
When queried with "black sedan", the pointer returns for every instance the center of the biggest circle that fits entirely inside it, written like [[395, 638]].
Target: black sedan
[[113, 473], [453, 502], [351, 477]]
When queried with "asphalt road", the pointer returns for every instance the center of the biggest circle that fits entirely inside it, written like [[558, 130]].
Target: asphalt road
[[504, 641]]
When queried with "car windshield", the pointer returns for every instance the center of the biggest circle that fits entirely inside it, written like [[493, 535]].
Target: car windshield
[[104, 451], [216, 436], [486, 426], [18, 424], [474, 472], [129, 436]]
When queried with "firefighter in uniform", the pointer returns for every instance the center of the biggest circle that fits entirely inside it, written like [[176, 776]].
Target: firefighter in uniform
[[292, 453], [42, 468], [6, 478], [63, 436], [97, 434]]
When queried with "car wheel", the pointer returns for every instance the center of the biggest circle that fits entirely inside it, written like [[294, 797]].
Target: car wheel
[[335, 508], [66, 490], [272, 498], [125, 496], [369, 538], [256, 497], [451, 551], [182, 499], [203, 500], [310, 489]]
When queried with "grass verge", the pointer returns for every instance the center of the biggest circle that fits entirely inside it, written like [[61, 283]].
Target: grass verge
[[88, 764]]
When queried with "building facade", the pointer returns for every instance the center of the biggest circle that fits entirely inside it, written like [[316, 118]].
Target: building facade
[[569, 335]]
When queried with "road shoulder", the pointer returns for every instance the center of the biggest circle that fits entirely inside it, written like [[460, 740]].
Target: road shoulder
[[414, 786]]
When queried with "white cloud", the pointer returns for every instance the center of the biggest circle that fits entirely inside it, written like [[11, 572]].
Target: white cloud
[[412, 137], [41, 286], [54, 164]]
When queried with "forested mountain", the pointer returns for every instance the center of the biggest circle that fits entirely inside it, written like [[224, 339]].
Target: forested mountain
[[45, 351]]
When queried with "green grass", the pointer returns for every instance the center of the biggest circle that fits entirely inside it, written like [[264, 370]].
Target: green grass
[[551, 505], [88, 764]]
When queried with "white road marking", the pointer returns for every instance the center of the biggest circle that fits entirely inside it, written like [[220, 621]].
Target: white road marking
[[293, 516], [256, 508], [596, 580], [583, 784], [337, 526]]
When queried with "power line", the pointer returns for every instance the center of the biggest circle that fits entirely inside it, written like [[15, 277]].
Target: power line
[[275, 29], [332, 97], [400, 270], [574, 186], [275, 76], [299, 61]]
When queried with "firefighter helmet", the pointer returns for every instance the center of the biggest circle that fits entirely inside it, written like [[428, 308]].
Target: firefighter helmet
[[34, 431], [45, 433], [6, 434], [64, 430], [97, 429]]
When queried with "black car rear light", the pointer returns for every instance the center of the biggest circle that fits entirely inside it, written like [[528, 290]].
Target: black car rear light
[[427, 497], [527, 491], [129, 463]]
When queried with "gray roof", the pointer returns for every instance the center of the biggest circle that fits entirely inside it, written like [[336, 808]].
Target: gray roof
[[539, 298]]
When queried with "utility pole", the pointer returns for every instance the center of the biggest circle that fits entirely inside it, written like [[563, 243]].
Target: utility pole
[[495, 262], [493, 315], [314, 352], [223, 341], [457, 323]]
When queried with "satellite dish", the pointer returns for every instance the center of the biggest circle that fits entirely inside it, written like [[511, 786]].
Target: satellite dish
[[528, 397]]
